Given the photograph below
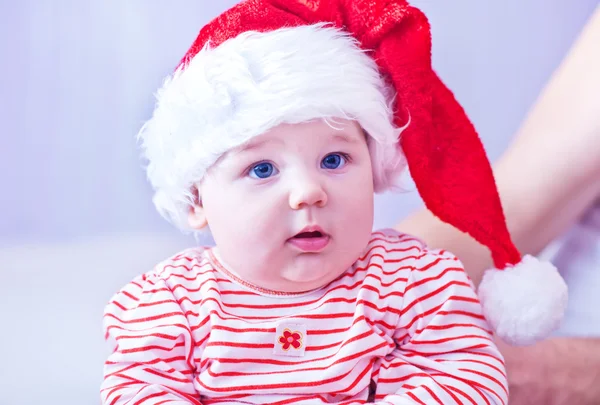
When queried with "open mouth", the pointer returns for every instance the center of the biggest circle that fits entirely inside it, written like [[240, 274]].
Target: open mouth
[[306, 235], [310, 240]]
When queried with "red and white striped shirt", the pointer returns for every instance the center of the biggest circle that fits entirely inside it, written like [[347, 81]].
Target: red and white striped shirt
[[402, 326]]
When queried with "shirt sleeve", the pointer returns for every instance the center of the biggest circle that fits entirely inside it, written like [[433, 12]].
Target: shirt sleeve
[[445, 353], [152, 358]]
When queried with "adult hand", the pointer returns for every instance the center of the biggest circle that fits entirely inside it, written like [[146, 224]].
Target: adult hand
[[557, 371]]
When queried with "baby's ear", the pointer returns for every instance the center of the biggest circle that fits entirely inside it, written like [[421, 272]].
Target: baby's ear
[[197, 218], [196, 215]]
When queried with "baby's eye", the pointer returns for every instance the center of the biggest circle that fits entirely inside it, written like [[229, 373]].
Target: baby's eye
[[334, 161], [262, 170]]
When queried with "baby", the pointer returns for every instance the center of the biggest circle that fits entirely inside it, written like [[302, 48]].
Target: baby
[[276, 130]]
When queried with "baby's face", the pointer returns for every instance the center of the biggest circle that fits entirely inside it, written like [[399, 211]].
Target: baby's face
[[292, 209]]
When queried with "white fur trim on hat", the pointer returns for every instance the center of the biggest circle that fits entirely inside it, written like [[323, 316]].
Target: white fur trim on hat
[[249, 84], [524, 303]]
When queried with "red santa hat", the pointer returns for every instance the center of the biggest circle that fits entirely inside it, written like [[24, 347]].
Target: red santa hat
[[267, 62]]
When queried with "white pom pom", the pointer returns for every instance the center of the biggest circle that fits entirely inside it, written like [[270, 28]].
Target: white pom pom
[[524, 303]]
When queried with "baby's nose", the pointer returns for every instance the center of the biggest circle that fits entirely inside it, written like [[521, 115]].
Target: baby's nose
[[307, 192]]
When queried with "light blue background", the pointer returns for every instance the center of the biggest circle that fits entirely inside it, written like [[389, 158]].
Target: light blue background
[[78, 77]]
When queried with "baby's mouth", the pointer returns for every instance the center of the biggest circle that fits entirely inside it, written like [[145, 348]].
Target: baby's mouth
[[305, 235], [310, 240]]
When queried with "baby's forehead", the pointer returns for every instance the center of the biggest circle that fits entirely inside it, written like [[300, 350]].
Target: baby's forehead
[[310, 133]]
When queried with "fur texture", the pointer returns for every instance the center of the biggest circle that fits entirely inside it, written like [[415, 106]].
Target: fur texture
[[227, 95], [524, 303]]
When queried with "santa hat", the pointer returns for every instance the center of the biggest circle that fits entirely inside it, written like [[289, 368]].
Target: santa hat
[[266, 62]]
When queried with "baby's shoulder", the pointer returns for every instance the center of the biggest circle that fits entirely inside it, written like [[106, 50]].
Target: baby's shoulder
[[173, 276], [185, 265], [389, 244], [391, 236], [392, 251]]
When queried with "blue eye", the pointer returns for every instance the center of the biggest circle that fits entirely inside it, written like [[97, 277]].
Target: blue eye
[[334, 161], [262, 170]]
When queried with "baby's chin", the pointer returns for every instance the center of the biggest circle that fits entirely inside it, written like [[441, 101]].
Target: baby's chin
[[306, 279]]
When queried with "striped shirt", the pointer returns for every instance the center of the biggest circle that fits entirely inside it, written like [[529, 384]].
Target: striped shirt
[[401, 326]]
